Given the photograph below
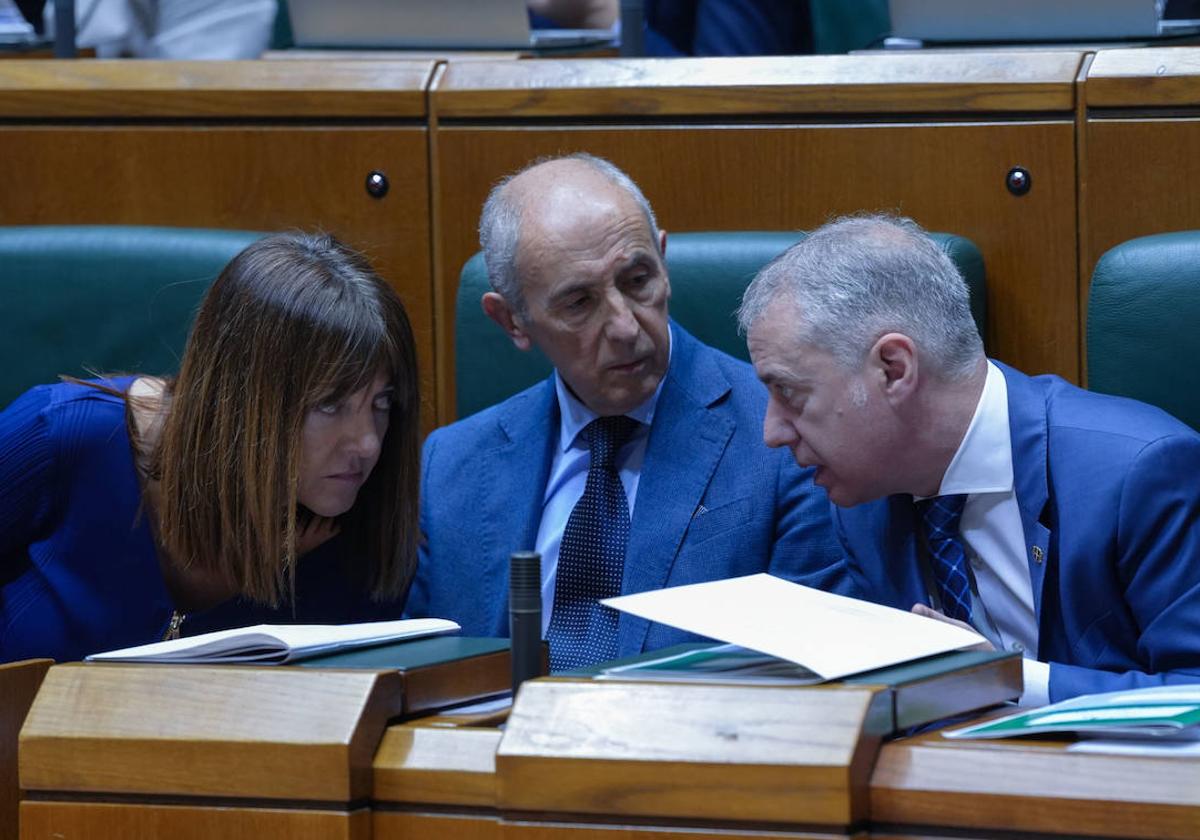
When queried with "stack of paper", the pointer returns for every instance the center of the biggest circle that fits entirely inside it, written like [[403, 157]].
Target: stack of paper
[[831, 635]]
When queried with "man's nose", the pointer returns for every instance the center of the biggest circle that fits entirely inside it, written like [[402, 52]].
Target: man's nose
[[621, 324], [777, 429]]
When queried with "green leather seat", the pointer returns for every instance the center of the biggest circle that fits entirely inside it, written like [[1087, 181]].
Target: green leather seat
[[1143, 323], [709, 272], [105, 298]]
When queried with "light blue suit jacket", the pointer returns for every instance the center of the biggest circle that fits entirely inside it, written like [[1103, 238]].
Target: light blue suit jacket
[[712, 501], [1109, 493]]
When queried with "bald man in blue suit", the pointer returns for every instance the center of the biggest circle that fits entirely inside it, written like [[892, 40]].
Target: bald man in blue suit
[[575, 260]]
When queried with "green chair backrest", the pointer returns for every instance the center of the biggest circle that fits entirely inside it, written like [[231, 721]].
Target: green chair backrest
[[107, 299], [1143, 323], [709, 272]]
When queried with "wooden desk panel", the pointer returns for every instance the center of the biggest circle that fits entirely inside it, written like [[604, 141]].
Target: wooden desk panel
[[104, 821], [1143, 177], [1034, 786], [242, 89], [1138, 78], [256, 177], [19, 684], [898, 83], [949, 176]]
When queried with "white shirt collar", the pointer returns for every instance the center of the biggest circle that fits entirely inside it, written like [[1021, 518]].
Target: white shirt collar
[[983, 462], [575, 416]]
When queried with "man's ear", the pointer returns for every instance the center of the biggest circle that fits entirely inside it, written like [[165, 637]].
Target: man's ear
[[662, 244], [499, 310], [893, 361]]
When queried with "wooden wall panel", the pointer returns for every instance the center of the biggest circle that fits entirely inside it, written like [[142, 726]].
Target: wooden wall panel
[[949, 176], [1142, 177], [257, 177]]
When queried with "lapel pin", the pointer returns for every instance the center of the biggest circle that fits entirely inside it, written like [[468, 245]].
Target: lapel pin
[[1037, 554]]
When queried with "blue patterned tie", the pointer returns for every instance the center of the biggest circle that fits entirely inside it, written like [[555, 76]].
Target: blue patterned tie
[[591, 556], [941, 516]]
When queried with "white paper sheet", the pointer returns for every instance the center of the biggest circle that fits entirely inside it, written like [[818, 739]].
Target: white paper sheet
[[830, 634]]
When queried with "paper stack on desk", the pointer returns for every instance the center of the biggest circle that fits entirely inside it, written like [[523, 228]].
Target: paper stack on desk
[[831, 635]]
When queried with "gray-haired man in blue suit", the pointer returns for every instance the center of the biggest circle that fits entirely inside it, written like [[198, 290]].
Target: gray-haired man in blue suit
[[1055, 521], [637, 465]]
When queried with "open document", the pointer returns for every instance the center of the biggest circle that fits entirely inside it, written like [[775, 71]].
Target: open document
[[1165, 711], [831, 635], [276, 644]]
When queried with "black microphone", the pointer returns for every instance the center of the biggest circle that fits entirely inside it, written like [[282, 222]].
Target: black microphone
[[632, 20], [525, 616], [64, 29]]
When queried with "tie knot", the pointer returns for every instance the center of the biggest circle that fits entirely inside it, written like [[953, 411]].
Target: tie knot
[[606, 435], [942, 513]]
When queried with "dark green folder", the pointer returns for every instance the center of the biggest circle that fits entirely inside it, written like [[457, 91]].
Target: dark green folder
[[922, 691], [438, 672]]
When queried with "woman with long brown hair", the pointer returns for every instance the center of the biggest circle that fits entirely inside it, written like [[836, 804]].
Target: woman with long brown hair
[[275, 478]]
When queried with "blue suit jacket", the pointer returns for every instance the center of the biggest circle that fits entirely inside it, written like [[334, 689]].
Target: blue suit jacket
[[1109, 493], [484, 479]]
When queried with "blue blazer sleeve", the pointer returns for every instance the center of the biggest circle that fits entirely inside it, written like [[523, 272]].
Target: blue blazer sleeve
[[417, 603], [806, 549], [26, 471], [1157, 570]]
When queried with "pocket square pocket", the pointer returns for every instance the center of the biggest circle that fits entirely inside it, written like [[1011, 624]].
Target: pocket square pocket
[[711, 522]]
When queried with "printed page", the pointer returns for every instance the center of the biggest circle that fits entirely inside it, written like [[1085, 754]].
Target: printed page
[[273, 643], [830, 634]]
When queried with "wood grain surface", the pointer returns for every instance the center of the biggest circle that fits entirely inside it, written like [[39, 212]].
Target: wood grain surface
[[428, 765], [1140, 78], [282, 733], [253, 177], [19, 683], [371, 89], [702, 752], [410, 825], [1031, 786], [1143, 177], [893, 83], [947, 176], [103, 821]]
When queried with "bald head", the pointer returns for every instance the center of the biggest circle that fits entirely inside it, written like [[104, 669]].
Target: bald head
[[575, 262], [551, 196]]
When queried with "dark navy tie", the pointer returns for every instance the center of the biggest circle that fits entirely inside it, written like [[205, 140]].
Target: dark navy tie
[[941, 516], [591, 556]]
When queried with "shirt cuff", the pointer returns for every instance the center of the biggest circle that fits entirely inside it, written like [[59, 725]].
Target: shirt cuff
[[1037, 683]]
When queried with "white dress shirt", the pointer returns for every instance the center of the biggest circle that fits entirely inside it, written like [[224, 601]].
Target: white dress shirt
[[568, 476], [994, 538]]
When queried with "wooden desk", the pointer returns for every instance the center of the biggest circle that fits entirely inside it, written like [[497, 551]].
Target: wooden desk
[[784, 143], [438, 781], [940, 786], [171, 751]]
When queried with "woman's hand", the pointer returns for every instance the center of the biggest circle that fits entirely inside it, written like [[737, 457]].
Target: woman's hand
[[316, 531]]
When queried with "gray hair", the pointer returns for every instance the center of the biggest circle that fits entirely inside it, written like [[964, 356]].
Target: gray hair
[[859, 277], [500, 223]]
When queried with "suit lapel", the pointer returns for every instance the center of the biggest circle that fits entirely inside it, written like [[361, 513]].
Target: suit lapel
[[1027, 426], [902, 564], [514, 474], [687, 439]]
